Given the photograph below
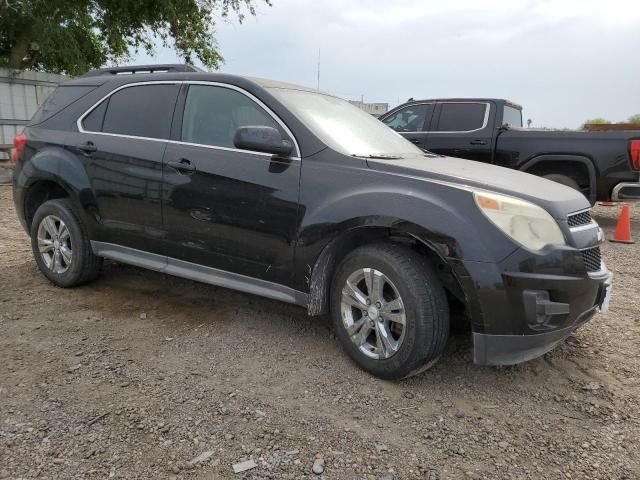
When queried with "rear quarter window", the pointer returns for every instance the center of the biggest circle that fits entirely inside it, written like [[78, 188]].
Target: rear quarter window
[[93, 121], [61, 98]]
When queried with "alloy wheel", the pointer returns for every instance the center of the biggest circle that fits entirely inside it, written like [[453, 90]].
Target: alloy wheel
[[373, 313], [54, 244]]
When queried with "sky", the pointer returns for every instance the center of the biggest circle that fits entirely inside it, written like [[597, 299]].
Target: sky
[[564, 61]]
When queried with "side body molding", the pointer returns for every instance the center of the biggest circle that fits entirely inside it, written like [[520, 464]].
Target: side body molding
[[192, 271]]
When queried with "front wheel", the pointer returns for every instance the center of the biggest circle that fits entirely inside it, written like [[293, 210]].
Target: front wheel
[[389, 310]]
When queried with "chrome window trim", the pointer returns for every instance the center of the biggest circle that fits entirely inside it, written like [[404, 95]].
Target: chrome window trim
[[485, 121], [191, 82]]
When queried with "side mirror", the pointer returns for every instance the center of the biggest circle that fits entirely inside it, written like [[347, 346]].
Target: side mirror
[[262, 139]]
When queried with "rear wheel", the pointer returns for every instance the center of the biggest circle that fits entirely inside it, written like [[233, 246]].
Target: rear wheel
[[61, 246], [389, 310], [564, 180]]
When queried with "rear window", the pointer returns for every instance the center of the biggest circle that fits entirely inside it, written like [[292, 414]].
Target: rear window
[[61, 98], [139, 111], [461, 117]]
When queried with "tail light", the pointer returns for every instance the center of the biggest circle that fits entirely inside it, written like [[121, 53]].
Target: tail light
[[634, 151], [19, 143]]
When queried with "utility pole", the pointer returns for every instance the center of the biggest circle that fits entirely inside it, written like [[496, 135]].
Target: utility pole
[[318, 69]]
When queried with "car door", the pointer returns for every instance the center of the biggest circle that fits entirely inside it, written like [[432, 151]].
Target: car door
[[463, 129], [225, 208], [121, 143], [412, 122]]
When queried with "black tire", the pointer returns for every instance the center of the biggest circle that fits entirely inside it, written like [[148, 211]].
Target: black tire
[[563, 180], [425, 305], [84, 265]]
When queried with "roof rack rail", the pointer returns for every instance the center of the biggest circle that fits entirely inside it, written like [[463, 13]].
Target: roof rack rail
[[160, 68]]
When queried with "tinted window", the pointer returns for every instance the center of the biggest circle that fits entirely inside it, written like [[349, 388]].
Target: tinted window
[[142, 111], [461, 117], [93, 121], [409, 119], [213, 114], [61, 98], [512, 116]]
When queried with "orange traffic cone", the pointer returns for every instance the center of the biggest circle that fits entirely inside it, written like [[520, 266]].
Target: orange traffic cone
[[623, 229]]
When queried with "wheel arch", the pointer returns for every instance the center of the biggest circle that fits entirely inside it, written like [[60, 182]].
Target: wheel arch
[[52, 173], [322, 272], [39, 192], [561, 164]]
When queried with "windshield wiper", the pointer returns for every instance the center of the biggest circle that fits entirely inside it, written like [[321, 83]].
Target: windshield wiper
[[380, 156]]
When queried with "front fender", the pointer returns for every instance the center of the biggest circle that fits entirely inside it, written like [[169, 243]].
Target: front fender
[[451, 220], [443, 214]]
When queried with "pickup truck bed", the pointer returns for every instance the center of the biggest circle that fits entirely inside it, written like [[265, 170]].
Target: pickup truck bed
[[602, 165]]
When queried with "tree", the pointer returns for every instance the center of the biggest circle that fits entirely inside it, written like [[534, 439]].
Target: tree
[[635, 119], [597, 120], [594, 121], [73, 36]]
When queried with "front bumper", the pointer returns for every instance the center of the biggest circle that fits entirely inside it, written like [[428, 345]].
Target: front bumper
[[626, 191], [492, 349], [524, 306]]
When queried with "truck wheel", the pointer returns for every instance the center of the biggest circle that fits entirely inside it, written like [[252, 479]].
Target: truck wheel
[[564, 180], [61, 246], [389, 310]]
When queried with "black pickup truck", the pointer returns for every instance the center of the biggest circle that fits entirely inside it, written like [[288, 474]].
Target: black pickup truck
[[602, 165]]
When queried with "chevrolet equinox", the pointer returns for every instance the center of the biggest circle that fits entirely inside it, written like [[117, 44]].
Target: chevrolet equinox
[[286, 192]]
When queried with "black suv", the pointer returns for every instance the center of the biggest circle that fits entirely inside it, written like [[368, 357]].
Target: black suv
[[289, 193]]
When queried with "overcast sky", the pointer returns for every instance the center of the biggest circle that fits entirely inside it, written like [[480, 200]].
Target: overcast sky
[[565, 61]]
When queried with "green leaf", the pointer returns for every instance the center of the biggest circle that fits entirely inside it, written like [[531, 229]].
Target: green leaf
[[74, 36]]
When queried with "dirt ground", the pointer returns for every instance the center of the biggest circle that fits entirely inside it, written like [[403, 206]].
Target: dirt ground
[[138, 374]]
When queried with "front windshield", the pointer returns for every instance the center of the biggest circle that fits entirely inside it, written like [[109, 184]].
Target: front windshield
[[343, 127]]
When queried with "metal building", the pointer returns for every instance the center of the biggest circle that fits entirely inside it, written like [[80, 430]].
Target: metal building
[[375, 109], [21, 93]]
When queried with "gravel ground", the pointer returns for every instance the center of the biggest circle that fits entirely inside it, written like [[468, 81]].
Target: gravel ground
[[141, 375]]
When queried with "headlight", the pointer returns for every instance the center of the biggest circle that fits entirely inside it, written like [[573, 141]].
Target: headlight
[[526, 223]]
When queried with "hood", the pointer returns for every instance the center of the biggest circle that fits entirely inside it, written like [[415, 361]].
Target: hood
[[557, 199]]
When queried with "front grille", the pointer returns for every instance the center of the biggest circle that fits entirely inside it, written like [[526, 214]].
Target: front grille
[[577, 219], [591, 258]]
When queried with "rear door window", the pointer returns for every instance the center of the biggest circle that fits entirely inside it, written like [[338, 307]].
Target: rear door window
[[138, 111], [411, 118], [462, 117]]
